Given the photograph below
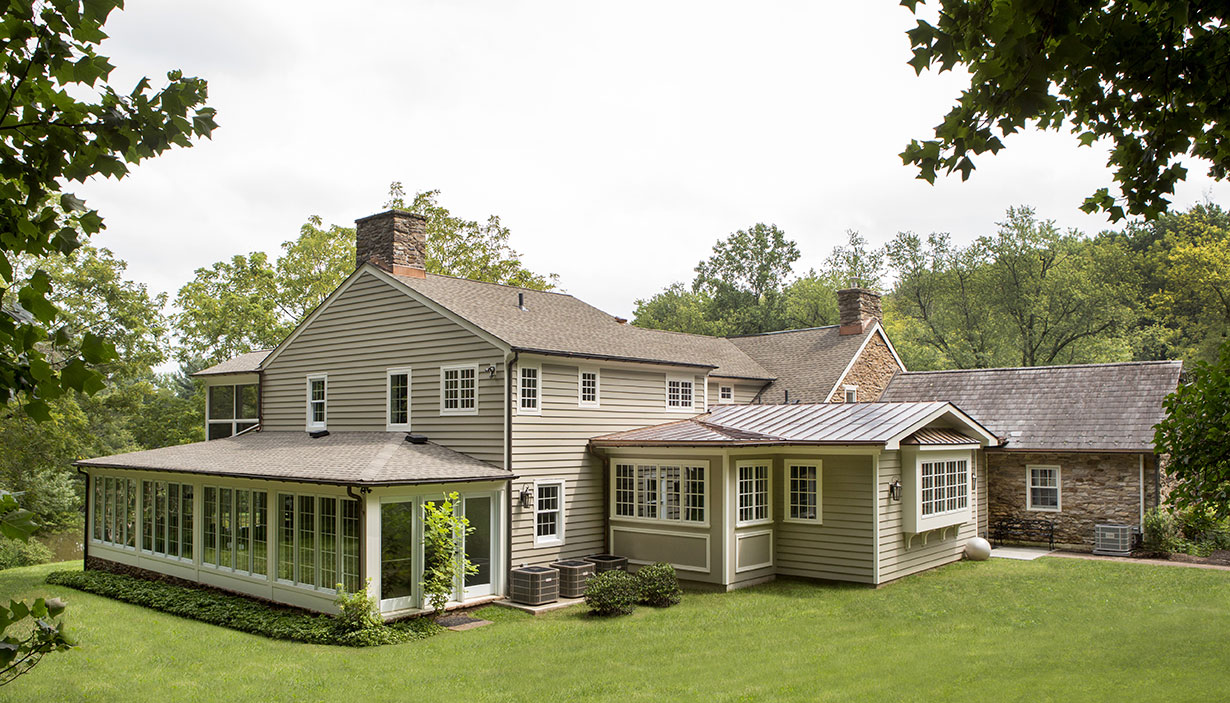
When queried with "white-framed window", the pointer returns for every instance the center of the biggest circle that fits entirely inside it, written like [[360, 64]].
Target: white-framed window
[[803, 492], [680, 392], [548, 512], [529, 394], [648, 490], [753, 493], [231, 409], [726, 395], [166, 519], [115, 512], [317, 541], [589, 383], [459, 390], [851, 394], [235, 530], [1043, 492], [317, 401], [397, 399], [944, 485]]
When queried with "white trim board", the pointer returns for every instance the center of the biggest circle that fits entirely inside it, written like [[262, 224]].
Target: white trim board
[[875, 329]]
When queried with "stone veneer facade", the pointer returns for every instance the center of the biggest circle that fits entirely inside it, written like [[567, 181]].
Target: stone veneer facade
[[395, 241], [1093, 489], [871, 372]]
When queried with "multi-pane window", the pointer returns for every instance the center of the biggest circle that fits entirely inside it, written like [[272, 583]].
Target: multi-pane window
[[317, 401], [944, 486], [318, 541], [459, 390], [548, 512], [115, 511], [232, 409], [660, 492], [166, 524], [753, 493], [399, 399], [803, 492], [588, 387], [529, 401], [236, 527], [1043, 488], [726, 394], [679, 392]]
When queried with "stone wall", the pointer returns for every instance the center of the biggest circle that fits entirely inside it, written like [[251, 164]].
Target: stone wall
[[871, 372], [1093, 489], [395, 241], [857, 308]]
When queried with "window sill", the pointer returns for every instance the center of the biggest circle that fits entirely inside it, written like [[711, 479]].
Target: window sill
[[1044, 510], [397, 428], [803, 521], [548, 542], [670, 409], [754, 523], [445, 413]]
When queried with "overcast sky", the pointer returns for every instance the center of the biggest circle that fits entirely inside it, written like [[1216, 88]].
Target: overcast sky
[[618, 141]]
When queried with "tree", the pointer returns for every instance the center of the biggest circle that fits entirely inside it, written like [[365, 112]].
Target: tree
[[231, 308], [1196, 435], [48, 137], [1149, 76], [678, 309]]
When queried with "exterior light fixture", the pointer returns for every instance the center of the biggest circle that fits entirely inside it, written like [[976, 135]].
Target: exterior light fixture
[[490, 370], [894, 490], [527, 497]]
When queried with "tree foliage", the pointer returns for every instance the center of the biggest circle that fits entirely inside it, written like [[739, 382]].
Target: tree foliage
[[445, 563], [49, 137], [1147, 76], [1196, 435]]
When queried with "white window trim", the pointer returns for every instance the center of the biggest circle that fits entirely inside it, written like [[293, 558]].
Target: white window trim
[[460, 411], [233, 422], [389, 425], [558, 537], [726, 401], [819, 466], [939, 458], [521, 410], [1029, 485], [314, 426], [848, 391], [768, 520], [636, 492], [597, 401], [666, 388]]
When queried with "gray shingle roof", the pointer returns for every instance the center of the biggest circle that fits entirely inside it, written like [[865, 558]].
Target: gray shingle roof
[[807, 363], [1092, 407], [348, 458], [244, 363], [561, 324], [817, 423]]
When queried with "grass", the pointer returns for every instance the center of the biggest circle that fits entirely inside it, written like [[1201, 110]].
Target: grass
[[1051, 629]]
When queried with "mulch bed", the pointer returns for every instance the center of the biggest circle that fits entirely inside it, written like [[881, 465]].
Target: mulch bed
[[456, 620], [1219, 557]]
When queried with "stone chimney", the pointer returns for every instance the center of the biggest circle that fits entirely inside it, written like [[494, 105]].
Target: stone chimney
[[395, 241], [857, 308]]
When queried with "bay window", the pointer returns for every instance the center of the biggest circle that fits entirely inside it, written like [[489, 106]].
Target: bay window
[[945, 486]]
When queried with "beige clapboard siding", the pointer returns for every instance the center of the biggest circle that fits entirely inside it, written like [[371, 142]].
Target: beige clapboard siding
[[840, 548], [899, 558], [367, 329], [554, 445], [745, 391]]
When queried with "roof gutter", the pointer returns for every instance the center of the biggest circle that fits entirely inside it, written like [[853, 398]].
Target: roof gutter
[[287, 479], [611, 357], [732, 443]]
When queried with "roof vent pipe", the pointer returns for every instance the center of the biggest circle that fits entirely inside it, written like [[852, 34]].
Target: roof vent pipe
[[521, 301]]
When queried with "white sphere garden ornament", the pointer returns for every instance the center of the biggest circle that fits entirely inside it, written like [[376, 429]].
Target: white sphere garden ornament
[[978, 549]]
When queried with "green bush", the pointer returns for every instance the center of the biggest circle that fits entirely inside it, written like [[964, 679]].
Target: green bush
[[612, 593], [14, 553], [245, 614], [1161, 531], [657, 585], [1186, 531]]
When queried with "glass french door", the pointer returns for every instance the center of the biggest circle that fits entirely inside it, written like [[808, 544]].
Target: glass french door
[[399, 566], [480, 544]]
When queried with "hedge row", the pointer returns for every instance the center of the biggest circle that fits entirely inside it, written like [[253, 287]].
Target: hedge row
[[239, 613]]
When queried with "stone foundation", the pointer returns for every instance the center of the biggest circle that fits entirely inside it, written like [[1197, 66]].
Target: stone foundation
[[1093, 489]]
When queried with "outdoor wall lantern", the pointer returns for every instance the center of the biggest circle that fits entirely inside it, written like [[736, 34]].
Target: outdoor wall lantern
[[894, 490], [527, 497], [490, 370]]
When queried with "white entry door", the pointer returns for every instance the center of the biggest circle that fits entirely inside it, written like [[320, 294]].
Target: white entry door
[[481, 544]]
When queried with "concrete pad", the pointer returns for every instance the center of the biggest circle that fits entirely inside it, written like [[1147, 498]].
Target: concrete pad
[[1022, 553], [540, 609], [469, 625]]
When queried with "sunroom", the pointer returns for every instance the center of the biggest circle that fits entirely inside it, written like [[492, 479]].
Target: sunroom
[[863, 492], [289, 517]]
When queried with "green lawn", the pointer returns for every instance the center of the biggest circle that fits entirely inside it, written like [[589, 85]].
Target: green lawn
[[1052, 629]]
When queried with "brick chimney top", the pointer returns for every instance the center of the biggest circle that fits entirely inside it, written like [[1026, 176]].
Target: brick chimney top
[[394, 240], [857, 309]]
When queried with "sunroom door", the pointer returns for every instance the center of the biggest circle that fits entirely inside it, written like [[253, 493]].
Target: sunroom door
[[399, 566], [480, 544]]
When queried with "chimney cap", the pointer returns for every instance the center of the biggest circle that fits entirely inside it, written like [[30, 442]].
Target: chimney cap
[[392, 212]]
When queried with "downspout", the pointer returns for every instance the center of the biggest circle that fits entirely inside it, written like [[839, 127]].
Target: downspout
[[508, 506], [1157, 481], [89, 520], [363, 490]]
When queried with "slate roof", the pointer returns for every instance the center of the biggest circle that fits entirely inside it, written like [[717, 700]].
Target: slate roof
[[244, 363], [1091, 407], [558, 323], [812, 423], [344, 458], [807, 363]]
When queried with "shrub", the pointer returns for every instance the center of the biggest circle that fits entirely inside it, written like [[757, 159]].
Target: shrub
[[1161, 531], [612, 593], [445, 564], [14, 553], [658, 586], [245, 614]]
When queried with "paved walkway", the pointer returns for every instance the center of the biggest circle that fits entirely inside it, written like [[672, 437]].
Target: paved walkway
[[1130, 560], [1021, 553]]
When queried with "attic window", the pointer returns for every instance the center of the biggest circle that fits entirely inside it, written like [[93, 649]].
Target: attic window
[[317, 394], [726, 394], [679, 392], [851, 394]]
